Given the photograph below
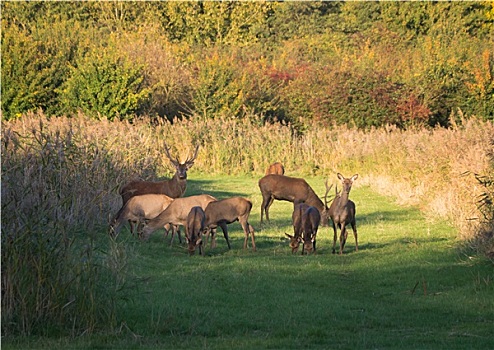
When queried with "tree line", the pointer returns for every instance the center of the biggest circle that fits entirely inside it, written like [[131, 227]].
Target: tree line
[[362, 63]]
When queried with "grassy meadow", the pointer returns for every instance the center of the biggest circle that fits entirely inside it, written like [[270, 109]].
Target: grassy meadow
[[416, 282], [409, 286]]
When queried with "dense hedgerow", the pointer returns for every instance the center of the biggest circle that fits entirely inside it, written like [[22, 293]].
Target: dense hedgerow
[[362, 63]]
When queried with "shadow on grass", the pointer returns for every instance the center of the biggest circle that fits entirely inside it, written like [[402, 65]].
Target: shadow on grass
[[195, 187]]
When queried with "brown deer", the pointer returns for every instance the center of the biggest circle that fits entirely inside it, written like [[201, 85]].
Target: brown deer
[[276, 168], [342, 212], [174, 187], [137, 209], [176, 214], [310, 224], [196, 225], [226, 211], [290, 189], [298, 211]]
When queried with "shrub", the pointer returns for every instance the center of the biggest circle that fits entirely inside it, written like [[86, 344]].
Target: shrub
[[104, 83], [34, 66]]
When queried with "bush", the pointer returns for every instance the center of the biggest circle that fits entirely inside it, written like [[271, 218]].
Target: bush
[[34, 66], [105, 83]]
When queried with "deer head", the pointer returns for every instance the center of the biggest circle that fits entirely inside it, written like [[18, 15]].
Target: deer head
[[181, 168], [347, 182]]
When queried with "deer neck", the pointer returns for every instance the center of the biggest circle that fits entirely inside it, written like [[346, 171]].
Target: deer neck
[[181, 183], [342, 200]]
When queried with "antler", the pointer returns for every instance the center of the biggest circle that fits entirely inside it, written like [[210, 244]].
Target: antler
[[327, 191], [175, 161], [191, 160]]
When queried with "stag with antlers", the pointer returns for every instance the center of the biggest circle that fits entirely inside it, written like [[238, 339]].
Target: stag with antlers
[[174, 187]]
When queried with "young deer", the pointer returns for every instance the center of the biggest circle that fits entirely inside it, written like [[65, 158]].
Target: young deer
[[310, 224], [342, 212], [226, 211], [298, 211], [196, 226], [174, 187], [276, 168]]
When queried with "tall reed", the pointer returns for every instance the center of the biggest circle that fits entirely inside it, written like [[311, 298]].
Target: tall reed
[[55, 280]]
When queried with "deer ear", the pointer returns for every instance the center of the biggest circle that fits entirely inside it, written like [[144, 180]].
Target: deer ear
[[199, 241], [354, 177], [341, 177]]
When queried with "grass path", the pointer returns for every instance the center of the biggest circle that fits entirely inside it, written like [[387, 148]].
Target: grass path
[[408, 287]]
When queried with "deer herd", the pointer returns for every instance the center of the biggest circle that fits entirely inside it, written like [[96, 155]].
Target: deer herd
[[149, 206]]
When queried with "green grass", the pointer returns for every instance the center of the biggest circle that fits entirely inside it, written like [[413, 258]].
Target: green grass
[[409, 286]]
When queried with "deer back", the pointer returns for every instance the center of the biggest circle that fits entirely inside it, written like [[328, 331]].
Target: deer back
[[227, 210], [178, 210], [172, 188], [310, 222], [284, 187]]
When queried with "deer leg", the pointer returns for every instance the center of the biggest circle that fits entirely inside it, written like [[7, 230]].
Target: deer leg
[[270, 201], [213, 238], [179, 234], [342, 238], [140, 226], [225, 233], [266, 203], [248, 229], [251, 230], [174, 228], [167, 230], [335, 237], [354, 229], [131, 223], [315, 235]]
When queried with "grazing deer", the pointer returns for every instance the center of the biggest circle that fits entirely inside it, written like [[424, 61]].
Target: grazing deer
[[226, 211], [310, 223], [298, 211], [137, 209], [276, 168], [290, 189], [174, 187], [176, 214], [342, 212], [196, 225]]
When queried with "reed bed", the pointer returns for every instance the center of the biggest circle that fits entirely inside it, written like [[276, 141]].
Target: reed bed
[[60, 181]]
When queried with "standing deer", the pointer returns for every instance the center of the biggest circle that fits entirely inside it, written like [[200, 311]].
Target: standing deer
[[342, 212], [176, 214], [196, 225], [139, 208], [290, 189], [226, 211], [298, 211], [174, 187], [276, 168]]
